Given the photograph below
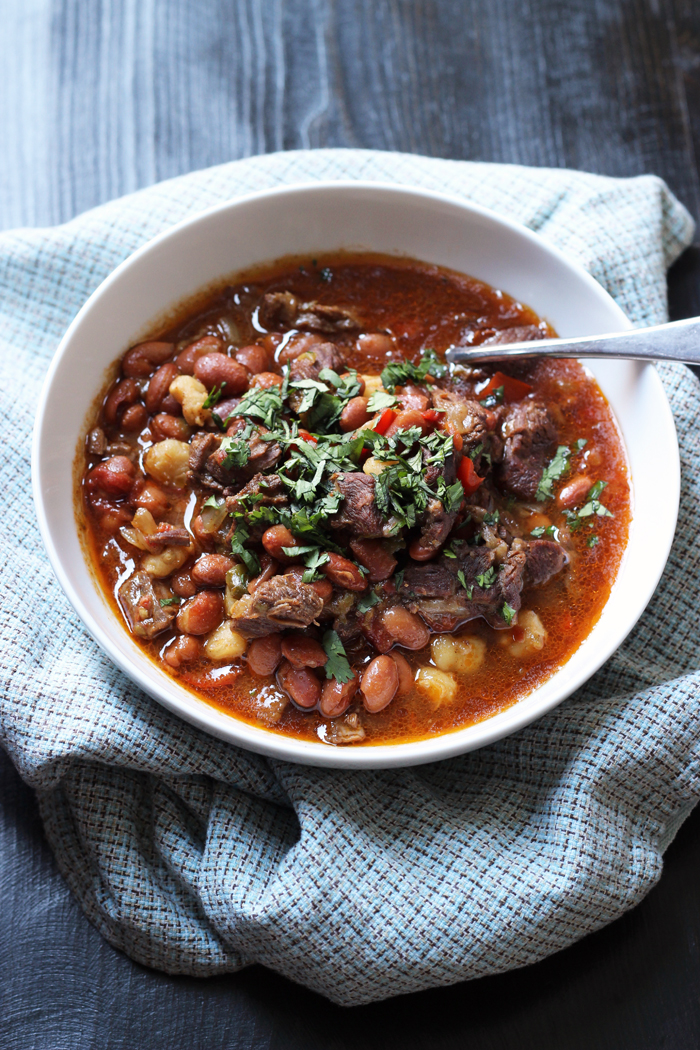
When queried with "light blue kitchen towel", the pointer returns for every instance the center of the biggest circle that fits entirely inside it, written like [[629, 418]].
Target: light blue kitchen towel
[[195, 857]]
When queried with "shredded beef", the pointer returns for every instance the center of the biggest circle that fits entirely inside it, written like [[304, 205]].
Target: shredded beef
[[530, 442]]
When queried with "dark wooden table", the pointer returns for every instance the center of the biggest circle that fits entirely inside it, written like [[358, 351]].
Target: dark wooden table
[[99, 97]]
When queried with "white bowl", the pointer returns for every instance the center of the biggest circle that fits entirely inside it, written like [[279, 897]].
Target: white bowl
[[320, 218]]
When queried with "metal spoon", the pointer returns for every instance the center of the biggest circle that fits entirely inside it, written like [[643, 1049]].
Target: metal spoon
[[675, 341]]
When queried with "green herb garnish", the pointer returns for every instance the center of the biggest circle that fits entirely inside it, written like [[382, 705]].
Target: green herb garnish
[[337, 665], [508, 612], [213, 396], [169, 601], [380, 400], [494, 399], [551, 473], [399, 373]]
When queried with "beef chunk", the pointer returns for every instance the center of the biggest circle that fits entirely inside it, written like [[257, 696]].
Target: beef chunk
[[476, 424], [201, 447], [278, 310], [282, 602], [530, 442], [436, 592], [358, 513], [520, 334], [139, 600], [436, 524], [282, 310], [543, 559], [208, 460], [269, 489]]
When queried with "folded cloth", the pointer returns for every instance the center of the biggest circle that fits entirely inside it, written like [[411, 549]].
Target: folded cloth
[[195, 857]]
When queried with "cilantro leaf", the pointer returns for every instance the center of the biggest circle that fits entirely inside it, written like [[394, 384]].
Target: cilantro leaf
[[214, 396], [494, 398], [469, 589], [366, 601], [552, 472], [592, 541], [399, 373], [508, 613], [249, 559], [542, 531], [236, 449], [581, 443], [169, 601], [213, 501], [337, 666], [380, 400], [487, 579]]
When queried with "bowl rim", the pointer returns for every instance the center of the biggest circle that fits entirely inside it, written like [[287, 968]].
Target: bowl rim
[[214, 721]]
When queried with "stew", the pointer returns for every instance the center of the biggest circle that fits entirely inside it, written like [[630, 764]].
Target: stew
[[310, 520]]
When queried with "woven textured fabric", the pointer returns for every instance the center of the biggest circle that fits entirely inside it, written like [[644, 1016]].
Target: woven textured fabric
[[195, 857]]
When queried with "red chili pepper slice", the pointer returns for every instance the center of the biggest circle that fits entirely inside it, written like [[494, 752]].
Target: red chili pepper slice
[[468, 476], [432, 416], [385, 420], [513, 389], [307, 436]]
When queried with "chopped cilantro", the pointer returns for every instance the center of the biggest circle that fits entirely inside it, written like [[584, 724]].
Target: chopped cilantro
[[380, 400], [249, 559], [492, 519], [337, 665], [551, 473], [581, 443], [236, 449], [542, 531], [399, 373], [487, 579], [470, 588], [508, 612], [262, 404], [366, 601], [592, 541], [213, 396], [169, 601], [213, 501], [494, 399], [398, 578]]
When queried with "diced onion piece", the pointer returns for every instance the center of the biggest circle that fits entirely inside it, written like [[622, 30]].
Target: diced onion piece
[[213, 518], [144, 521], [535, 634], [462, 653], [224, 643], [167, 561], [191, 394]]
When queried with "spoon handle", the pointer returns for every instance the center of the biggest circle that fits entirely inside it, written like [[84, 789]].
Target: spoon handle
[[675, 341]]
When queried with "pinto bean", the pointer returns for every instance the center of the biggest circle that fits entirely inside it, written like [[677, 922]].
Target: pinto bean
[[125, 393], [405, 627], [266, 380], [354, 414], [208, 344], [299, 345], [183, 585], [167, 426], [183, 650], [574, 491], [210, 570], [140, 361], [115, 476], [409, 417], [380, 683], [302, 651], [418, 552], [159, 386], [216, 370], [373, 555], [201, 614], [302, 684], [275, 538], [336, 696], [413, 397], [341, 572], [255, 358], [405, 673], [264, 655], [134, 419], [375, 346], [150, 497]]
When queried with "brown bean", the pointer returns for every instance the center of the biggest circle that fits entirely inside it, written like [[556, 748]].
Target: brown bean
[[125, 393], [574, 491], [405, 627], [405, 673], [208, 344], [205, 538], [201, 614], [183, 585], [166, 426], [150, 497], [298, 345], [271, 341], [374, 556], [268, 568], [302, 685], [343, 573], [255, 358], [183, 650], [418, 552], [210, 570], [375, 346], [218, 370], [409, 417], [380, 683], [115, 476], [354, 414], [302, 651], [264, 655], [134, 419], [266, 380], [140, 361], [170, 406], [110, 517], [336, 696], [277, 537], [159, 386]]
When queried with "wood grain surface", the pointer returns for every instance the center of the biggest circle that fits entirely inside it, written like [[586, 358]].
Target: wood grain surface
[[100, 97]]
